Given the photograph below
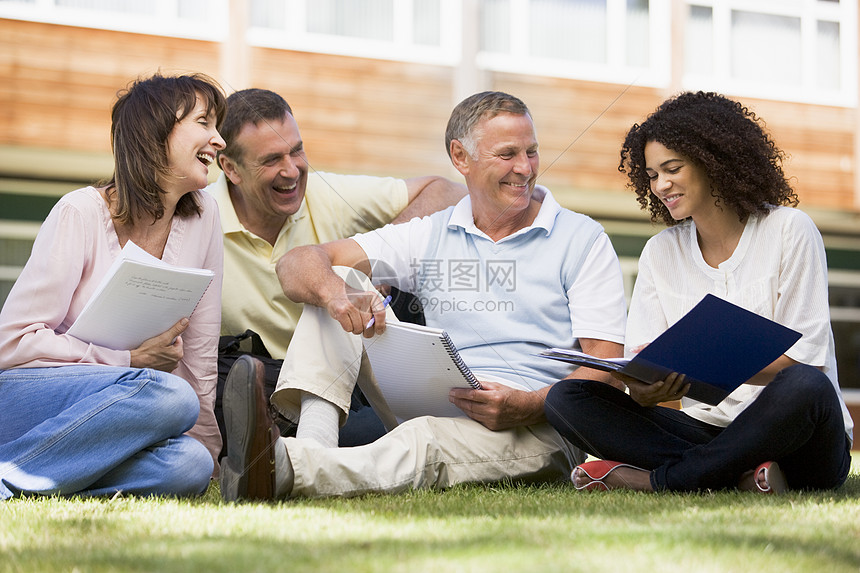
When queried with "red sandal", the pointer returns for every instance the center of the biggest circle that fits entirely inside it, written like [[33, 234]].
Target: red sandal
[[772, 478], [597, 471]]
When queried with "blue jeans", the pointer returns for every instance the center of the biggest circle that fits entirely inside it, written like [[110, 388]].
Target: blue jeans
[[97, 430], [795, 421]]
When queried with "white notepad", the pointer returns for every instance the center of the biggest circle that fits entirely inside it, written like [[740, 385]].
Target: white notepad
[[415, 367], [141, 296]]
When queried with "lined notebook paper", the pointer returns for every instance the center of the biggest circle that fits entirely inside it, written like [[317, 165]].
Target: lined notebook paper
[[415, 367], [140, 297]]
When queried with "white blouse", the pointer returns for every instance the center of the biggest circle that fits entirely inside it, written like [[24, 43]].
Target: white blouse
[[778, 270]]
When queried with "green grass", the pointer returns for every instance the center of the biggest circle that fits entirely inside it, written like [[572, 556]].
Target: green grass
[[467, 528]]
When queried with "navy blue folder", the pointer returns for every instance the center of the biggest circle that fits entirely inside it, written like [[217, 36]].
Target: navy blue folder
[[717, 345]]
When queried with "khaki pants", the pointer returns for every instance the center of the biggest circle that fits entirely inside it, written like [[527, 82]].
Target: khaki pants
[[424, 452]]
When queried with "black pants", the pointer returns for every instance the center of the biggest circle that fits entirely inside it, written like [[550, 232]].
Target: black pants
[[795, 421]]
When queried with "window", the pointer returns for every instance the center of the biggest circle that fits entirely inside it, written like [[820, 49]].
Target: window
[[800, 50], [371, 19], [797, 50], [410, 30], [568, 30], [197, 19], [602, 40]]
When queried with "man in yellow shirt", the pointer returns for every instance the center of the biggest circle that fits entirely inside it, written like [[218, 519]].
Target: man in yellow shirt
[[270, 203]]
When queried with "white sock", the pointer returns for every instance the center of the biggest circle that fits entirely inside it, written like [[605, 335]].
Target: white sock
[[283, 471], [319, 420]]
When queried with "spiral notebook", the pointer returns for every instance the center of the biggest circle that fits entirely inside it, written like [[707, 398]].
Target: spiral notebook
[[415, 367]]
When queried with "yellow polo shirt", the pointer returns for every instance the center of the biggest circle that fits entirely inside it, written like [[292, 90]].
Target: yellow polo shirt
[[334, 207]]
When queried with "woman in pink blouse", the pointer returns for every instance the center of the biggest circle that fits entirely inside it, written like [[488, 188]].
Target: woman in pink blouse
[[91, 420]]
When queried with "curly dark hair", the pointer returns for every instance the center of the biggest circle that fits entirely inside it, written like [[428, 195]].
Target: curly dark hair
[[719, 135]]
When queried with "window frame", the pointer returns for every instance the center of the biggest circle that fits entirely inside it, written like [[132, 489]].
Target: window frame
[[164, 22], [809, 12], [614, 70], [295, 36], [657, 72]]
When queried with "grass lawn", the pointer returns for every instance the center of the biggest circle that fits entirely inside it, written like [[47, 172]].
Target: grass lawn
[[468, 528]]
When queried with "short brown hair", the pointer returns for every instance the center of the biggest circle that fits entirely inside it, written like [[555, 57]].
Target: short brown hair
[[250, 106], [469, 112]]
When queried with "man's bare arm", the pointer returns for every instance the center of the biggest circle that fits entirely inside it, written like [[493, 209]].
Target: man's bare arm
[[601, 349], [499, 407], [429, 194], [306, 276]]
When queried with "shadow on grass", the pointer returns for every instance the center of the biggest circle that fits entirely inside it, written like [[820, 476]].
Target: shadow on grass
[[283, 537], [523, 500], [498, 527], [506, 528]]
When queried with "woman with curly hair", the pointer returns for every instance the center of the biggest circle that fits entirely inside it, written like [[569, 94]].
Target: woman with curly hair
[[704, 165]]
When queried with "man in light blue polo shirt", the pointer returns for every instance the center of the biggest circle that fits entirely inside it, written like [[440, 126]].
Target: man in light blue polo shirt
[[506, 272]]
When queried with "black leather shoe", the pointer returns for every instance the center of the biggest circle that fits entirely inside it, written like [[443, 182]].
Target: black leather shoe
[[248, 471]]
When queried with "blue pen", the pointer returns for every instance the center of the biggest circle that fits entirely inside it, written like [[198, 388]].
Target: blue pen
[[372, 320]]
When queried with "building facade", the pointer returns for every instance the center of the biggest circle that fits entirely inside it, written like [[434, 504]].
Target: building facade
[[372, 83]]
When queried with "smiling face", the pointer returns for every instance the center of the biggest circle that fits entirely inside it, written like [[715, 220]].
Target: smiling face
[[679, 183], [501, 175], [191, 148], [269, 179]]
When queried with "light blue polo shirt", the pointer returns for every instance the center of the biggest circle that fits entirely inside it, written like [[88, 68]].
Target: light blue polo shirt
[[503, 302]]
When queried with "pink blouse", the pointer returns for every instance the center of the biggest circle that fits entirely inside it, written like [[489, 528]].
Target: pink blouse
[[73, 250]]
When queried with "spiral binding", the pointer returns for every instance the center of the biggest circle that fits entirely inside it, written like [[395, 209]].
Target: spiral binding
[[458, 361]]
